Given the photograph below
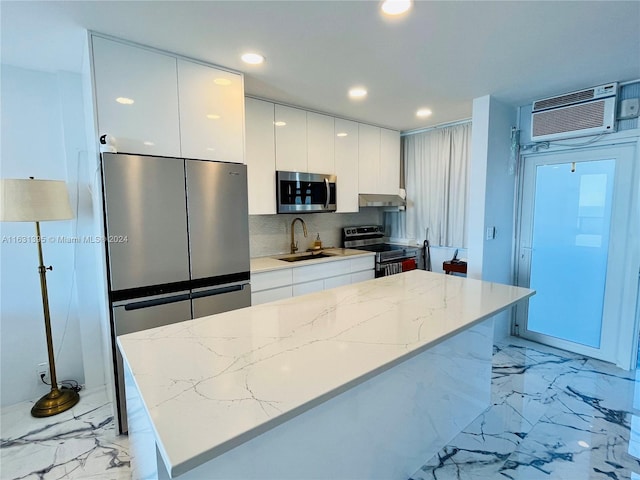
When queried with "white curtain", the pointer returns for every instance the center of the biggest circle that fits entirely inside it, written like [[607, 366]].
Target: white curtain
[[436, 166]]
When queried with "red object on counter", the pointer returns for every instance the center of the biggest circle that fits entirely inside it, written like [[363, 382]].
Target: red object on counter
[[409, 265]]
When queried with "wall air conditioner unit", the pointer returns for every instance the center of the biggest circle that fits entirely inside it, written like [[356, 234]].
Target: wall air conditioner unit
[[576, 114]]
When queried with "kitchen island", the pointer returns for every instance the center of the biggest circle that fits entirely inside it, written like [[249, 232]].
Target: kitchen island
[[362, 381]]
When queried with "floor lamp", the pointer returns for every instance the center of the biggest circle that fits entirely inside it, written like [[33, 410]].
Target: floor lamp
[[29, 200]]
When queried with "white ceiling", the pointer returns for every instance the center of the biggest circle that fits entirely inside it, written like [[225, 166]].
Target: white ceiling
[[441, 55]]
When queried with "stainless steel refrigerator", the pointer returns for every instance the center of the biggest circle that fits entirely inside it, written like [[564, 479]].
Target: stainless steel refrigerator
[[177, 243]]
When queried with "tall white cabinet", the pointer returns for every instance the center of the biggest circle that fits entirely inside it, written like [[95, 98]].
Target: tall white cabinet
[[261, 156], [368, 158], [136, 98], [291, 139], [389, 172], [157, 103], [320, 143], [211, 112], [346, 162], [378, 160]]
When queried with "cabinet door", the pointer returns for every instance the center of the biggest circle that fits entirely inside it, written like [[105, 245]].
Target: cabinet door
[[363, 276], [389, 161], [211, 113], [308, 287], [137, 98], [368, 158], [271, 295], [338, 281], [320, 143], [346, 157], [291, 139], [261, 156]]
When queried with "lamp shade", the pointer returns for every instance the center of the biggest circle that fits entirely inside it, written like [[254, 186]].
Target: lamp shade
[[29, 200]]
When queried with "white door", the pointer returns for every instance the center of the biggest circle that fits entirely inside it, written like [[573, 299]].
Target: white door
[[575, 246]]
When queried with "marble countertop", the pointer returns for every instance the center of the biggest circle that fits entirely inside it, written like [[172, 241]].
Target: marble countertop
[[265, 264], [215, 382]]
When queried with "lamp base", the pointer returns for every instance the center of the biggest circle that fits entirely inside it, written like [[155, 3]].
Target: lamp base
[[54, 402]]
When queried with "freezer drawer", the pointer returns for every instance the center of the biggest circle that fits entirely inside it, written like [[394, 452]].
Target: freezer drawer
[[209, 301], [142, 314]]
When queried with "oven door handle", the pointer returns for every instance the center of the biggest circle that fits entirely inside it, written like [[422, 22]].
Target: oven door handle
[[328, 190]]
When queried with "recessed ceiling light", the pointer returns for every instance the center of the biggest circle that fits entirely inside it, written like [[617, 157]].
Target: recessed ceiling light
[[213, 116], [423, 112], [280, 124], [148, 144], [395, 7], [358, 92], [211, 149], [252, 58], [341, 134], [222, 81], [124, 100]]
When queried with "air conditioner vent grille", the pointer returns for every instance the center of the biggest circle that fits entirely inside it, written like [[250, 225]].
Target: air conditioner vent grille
[[577, 117], [561, 100]]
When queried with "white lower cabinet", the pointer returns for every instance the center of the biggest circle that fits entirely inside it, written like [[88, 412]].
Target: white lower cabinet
[[286, 282], [271, 295], [363, 276], [308, 287]]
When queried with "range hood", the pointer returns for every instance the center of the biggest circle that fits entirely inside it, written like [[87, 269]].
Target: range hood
[[379, 200]]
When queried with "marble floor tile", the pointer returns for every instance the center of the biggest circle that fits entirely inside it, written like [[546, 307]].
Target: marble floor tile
[[554, 415], [78, 444]]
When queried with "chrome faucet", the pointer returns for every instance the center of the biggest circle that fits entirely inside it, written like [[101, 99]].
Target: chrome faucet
[[294, 244]]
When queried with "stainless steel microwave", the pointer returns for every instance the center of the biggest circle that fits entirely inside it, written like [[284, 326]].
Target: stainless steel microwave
[[299, 192]]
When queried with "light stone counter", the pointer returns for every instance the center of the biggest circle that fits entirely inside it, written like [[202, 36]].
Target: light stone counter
[[261, 392], [266, 264]]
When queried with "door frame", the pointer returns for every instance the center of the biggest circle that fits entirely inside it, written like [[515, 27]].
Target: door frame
[[624, 343]]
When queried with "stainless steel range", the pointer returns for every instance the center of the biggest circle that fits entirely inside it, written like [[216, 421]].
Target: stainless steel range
[[390, 258]]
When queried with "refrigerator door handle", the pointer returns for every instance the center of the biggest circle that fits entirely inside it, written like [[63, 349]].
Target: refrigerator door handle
[[217, 291], [157, 301]]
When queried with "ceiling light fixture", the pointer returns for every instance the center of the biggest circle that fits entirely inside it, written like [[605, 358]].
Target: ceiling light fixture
[[252, 58], [423, 112], [358, 92], [124, 100], [395, 7], [222, 81], [148, 143], [341, 134], [213, 116], [279, 124]]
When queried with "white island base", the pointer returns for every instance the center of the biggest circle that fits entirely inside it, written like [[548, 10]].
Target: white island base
[[365, 381], [384, 428]]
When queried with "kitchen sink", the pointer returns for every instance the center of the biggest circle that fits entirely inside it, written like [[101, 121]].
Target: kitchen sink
[[308, 256]]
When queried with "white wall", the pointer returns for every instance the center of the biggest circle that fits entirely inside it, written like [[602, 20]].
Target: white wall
[[271, 234], [43, 136], [492, 198]]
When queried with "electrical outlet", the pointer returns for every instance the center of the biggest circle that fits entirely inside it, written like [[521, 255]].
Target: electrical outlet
[[43, 369]]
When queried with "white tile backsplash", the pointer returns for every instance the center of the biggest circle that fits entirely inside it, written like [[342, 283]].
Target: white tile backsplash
[[271, 234]]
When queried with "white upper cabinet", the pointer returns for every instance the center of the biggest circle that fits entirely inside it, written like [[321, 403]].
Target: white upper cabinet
[[261, 156], [368, 158], [389, 161], [346, 159], [211, 112], [320, 143], [137, 98], [291, 139]]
